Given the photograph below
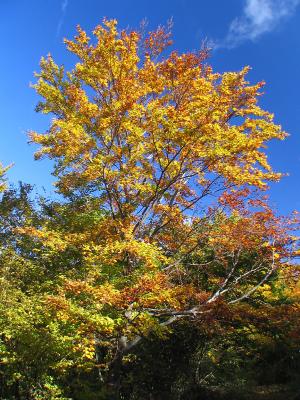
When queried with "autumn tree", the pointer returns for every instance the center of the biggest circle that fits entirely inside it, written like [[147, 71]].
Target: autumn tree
[[169, 157], [2, 178]]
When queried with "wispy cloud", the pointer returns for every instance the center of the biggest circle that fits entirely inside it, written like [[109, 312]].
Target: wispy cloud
[[64, 5], [258, 17]]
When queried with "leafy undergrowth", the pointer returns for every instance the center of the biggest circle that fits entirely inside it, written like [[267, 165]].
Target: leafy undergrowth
[[269, 392]]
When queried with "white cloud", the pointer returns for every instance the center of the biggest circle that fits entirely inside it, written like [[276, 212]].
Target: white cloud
[[64, 5], [258, 18]]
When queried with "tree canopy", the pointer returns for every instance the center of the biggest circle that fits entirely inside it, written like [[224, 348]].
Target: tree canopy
[[164, 226]]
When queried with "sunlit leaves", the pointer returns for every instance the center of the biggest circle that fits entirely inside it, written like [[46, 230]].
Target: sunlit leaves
[[162, 165]]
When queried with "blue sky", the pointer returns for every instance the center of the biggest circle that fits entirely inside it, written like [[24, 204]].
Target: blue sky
[[264, 34]]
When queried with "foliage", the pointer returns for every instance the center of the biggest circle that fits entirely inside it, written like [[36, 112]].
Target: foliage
[[164, 238], [2, 179]]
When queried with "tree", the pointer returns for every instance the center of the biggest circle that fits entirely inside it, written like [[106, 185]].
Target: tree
[[150, 142], [2, 179]]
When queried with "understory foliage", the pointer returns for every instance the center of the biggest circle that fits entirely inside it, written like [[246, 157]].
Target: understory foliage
[[162, 273]]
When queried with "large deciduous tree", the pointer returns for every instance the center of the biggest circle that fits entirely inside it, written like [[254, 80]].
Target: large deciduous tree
[[169, 157]]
